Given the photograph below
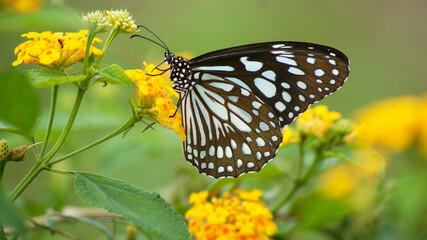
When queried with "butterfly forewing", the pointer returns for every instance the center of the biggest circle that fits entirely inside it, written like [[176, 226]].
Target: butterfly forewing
[[229, 130], [288, 76]]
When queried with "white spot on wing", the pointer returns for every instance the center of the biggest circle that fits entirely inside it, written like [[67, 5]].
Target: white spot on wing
[[245, 149], [260, 142], [319, 72], [280, 106], [335, 72], [215, 68], [285, 60], [311, 60], [219, 152], [239, 163], [286, 96], [228, 152], [266, 87], [263, 126], [302, 85], [256, 105], [251, 66], [278, 45], [210, 165], [296, 71], [270, 75], [285, 85]]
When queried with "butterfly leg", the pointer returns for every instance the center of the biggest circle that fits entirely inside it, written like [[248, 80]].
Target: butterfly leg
[[178, 104]]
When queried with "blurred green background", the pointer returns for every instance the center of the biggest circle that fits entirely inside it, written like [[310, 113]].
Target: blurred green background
[[384, 40]]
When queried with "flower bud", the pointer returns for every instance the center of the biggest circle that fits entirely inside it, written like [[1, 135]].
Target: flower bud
[[17, 154], [97, 20], [4, 150], [121, 20], [344, 126], [130, 232]]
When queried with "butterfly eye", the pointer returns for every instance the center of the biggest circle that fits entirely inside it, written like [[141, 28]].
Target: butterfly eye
[[236, 101]]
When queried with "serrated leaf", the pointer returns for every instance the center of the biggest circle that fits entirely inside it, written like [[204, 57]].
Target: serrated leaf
[[147, 210], [18, 102], [49, 77], [114, 74]]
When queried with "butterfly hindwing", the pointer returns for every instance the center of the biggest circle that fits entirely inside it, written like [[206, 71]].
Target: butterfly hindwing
[[230, 131]]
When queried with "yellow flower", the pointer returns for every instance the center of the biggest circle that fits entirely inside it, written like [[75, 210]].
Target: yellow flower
[[289, 136], [337, 181], [394, 123], [23, 6], [237, 215], [317, 120], [54, 50], [153, 99]]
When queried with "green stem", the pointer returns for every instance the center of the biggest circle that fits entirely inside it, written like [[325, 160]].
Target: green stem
[[41, 164], [129, 123], [51, 116], [2, 167], [113, 34], [67, 128], [301, 158], [299, 183], [31, 175], [90, 37]]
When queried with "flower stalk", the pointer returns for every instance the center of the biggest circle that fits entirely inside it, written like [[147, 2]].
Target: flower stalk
[[55, 90]]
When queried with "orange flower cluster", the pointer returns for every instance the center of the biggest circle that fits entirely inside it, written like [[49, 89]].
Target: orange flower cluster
[[153, 99], [238, 216], [54, 50]]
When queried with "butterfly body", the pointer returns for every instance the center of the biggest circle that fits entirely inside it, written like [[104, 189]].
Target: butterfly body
[[236, 101]]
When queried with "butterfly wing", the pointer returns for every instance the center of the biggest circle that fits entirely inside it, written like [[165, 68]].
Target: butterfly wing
[[288, 76], [230, 131], [244, 95]]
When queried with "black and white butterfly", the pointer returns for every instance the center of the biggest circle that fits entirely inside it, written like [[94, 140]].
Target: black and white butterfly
[[235, 101]]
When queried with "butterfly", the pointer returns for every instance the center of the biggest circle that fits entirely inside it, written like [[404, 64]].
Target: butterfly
[[236, 101]]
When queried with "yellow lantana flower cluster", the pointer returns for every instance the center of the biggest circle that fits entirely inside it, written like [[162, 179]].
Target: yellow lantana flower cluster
[[54, 50], [240, 215], [315, 121], [394, 123], [153, 99]]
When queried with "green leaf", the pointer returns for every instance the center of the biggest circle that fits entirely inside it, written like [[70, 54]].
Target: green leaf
[[147, 210], [9, 215], [18, 101], [114, 74], [48, 77]]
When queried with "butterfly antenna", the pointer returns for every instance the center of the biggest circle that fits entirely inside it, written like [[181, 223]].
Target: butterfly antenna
[[136, 35], [164, 44]]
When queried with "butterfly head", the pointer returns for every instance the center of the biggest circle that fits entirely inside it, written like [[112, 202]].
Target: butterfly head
[[169, 58]]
